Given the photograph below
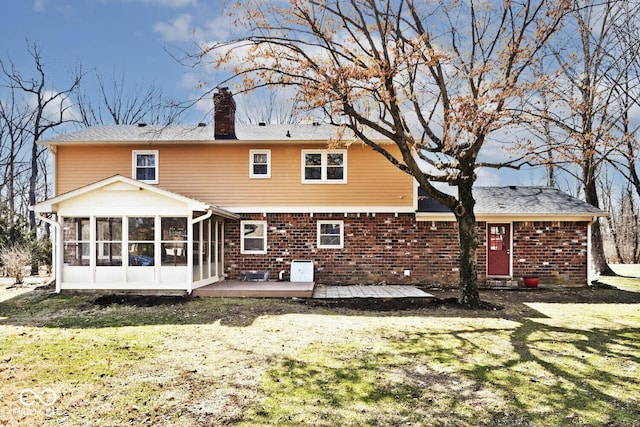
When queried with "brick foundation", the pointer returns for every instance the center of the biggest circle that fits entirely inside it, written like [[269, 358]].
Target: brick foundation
[[379, 248]]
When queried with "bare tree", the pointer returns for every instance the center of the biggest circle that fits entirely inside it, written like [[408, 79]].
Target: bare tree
[[435, 78], [122, 103], [49, 109], [13, 122], [585, 95], [274, 106]]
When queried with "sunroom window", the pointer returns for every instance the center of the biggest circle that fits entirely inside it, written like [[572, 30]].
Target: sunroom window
[[109, 241], [141, 241], [77, 241], [174, 241]]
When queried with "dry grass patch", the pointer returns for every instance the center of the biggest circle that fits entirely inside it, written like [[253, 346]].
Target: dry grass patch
[[548, 357]]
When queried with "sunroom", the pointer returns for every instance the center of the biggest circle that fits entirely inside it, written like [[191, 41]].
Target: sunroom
[[120, 234]]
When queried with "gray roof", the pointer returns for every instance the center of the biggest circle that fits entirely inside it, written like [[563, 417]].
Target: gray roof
[[194, 133], [514, 200]]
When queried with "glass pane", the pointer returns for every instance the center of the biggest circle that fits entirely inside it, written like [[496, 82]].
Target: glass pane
[[109, 229], [330, 229], [260, 158], [253, 230], [174, 229], [497, 238], [260, 169], [334, 159], [141, 229], [312, 173], [330, 240], [174, 254], [254, 244], [109, 254], [145, 160], [146, 174], [335, 173], [76, 254], [313, 159], [141, 254], [76, 229]]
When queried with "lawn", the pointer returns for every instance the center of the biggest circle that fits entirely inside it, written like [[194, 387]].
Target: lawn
[[541, 357]]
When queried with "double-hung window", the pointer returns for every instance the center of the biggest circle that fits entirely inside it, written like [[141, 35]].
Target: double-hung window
[[260, 163], [254, 237], [145, 166], [331, 234], [324, 166]]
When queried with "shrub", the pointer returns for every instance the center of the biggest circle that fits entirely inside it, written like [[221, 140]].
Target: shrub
[[15, 258]]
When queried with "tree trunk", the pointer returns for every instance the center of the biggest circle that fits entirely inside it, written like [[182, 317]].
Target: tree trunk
[[468, 238], [597, 245]]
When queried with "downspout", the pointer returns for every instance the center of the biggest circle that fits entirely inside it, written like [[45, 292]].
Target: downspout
[[194, 222], [590, 275], [55, 253]]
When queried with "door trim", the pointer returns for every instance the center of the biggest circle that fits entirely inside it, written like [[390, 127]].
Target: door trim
[[510, 275]]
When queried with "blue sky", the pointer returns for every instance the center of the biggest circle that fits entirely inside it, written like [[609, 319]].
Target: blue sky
[[111, 36], [131, 37]]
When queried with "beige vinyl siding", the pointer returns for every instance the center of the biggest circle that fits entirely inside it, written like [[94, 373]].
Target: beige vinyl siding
[[219, 174]]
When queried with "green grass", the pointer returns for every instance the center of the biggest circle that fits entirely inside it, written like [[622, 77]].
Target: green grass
[[547, 358]]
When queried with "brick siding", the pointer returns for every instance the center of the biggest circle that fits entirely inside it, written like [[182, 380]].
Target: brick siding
[[380, 248]]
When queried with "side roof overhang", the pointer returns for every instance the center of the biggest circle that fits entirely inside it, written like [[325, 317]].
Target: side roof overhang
[[51, 205], [514, 203]]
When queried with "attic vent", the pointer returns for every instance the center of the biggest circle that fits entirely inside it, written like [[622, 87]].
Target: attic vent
[[141, 125], [201, 125], [316, 124], [513, 187], [262, 124]]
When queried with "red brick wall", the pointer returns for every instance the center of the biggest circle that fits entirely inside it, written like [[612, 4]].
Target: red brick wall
[[557, 251], [379, 248]]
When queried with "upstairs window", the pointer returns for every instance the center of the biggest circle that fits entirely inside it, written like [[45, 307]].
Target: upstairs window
[[324, 166], [145, 166], [260, 163]]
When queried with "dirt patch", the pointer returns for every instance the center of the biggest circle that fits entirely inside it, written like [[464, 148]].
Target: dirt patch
[[139, 300]]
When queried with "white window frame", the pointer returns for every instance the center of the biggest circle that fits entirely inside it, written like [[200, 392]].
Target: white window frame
[[134, 165], [323, 167], [264, 238], [252, 173], [340, 245]]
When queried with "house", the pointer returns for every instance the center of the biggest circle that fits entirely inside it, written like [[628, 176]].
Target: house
[[174, 208]]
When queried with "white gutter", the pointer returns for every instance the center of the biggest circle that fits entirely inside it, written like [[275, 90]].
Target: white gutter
[[190, 241], [590, 274], [56, 259]]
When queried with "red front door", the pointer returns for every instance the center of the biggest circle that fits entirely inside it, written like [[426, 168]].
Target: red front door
[[498, 249]]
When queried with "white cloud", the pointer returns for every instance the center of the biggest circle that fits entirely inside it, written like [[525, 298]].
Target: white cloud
[[38, 5], [178, 30], [487, 178]]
